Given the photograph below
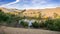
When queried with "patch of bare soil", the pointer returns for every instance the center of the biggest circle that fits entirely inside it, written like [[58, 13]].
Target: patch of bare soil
[[11, 30]]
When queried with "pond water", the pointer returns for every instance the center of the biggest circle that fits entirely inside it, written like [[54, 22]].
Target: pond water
[[29, 21]]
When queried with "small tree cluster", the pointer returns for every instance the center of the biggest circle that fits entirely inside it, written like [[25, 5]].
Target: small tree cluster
[[24, 24], [53, 24], [35, 25]]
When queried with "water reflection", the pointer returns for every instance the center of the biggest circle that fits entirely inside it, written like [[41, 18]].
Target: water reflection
[[29, 21]]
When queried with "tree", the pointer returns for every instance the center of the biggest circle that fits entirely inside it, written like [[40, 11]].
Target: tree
[[13, 19], [53, 24], [24, 24], [36, 25], [3, 17], [55, 15], [40, 15]]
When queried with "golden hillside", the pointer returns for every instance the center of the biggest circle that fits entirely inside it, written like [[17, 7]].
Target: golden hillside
[[31, 13], [11, 11], [49, 12]]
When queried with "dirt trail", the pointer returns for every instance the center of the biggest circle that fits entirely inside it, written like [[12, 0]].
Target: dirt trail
[[10, 30]]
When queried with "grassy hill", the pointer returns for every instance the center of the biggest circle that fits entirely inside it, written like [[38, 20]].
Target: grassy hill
[[49, 12], [11, 11]]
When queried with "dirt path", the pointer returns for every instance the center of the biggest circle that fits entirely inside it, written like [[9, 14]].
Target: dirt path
[[10, 30]]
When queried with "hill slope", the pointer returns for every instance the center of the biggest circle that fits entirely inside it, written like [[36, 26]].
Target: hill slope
[[49, 12]]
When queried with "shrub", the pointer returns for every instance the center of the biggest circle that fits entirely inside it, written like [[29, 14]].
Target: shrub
[[35, 25], [53, 24], [24, 24], [42, 25], [56, 25], [48, 22]]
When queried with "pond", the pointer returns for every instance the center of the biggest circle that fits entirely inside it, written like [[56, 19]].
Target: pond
[[27, 20]]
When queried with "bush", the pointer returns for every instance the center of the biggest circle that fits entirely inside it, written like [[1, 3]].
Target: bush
[[42, 25], [53, 24], [35, 25], [56, 25], [24, 24]]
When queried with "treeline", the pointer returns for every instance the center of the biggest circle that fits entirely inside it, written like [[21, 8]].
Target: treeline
[[49, 24], [8, 19]]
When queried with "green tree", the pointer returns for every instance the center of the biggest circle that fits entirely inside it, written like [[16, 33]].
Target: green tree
[[53, 24], [3, 17], [36, 25], [24, 24]]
